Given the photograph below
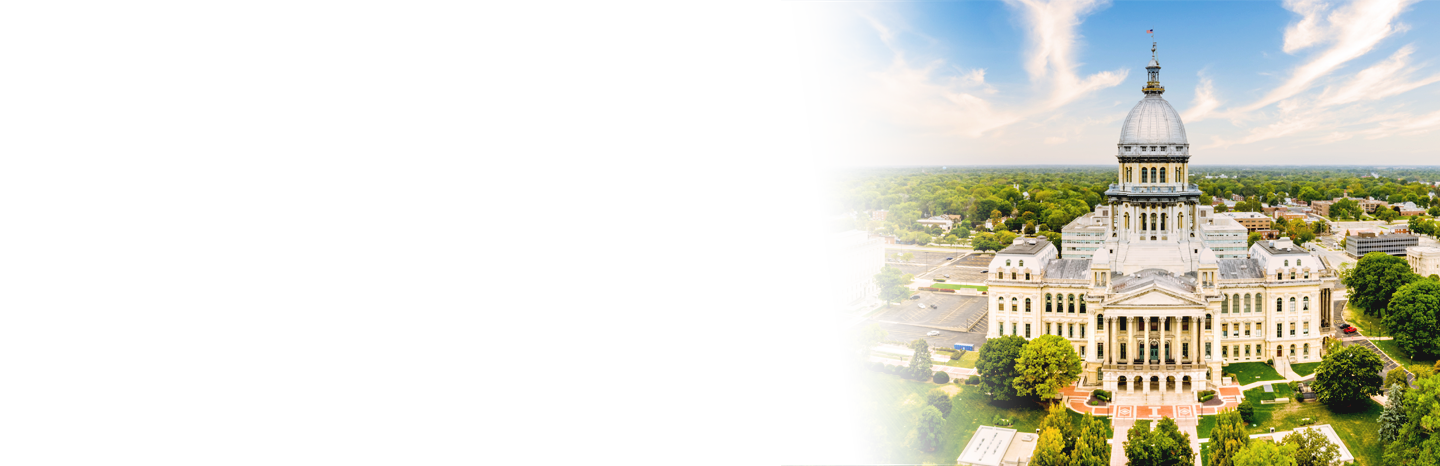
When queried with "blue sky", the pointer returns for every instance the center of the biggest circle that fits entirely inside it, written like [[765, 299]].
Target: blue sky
[[1046, 82]]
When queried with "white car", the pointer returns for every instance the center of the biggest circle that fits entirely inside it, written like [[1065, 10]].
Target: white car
[[922, 305], [932, 333]]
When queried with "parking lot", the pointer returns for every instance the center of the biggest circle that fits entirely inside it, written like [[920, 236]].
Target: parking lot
[[921, 261], [950, 310]]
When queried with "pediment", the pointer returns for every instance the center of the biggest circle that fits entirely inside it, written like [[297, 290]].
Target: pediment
[[1156, 296]]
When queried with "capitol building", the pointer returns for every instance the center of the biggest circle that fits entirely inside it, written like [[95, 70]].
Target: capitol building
[[1156, 292]]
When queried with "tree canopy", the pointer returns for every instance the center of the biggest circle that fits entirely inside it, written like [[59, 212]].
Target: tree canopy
[[1164, 446], [892, 283], [1266, 454], [1227, 438], [1311, 448], [1416, 442], [834, 425], [1347, 376], [1413, 318], [996, 365], [920, 361], [1046, 364], [1375, 279]]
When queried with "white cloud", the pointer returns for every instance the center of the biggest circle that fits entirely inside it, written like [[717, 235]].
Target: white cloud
[[1051, 56], [1354, 30], [1054, 140], [1204, 101], [1384, 79]]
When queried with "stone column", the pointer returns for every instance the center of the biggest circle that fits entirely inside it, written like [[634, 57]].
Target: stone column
[[1109, 341], [1161, 328], [1199, 357]]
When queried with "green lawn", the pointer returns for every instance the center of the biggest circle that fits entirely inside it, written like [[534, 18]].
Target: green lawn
[[1304, 369], [1207, 423], [1250, 372], [1393, 350], [890, 406], [967, 361], [1370, 326], [1258, 393], [1357, 429], [953, 286]]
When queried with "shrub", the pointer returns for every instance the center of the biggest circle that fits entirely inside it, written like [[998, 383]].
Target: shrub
[[972, 380], [1397, 376], [1295, 387], [1247, 411], [1101, 394], [1270, 362], [1206, 395], [941, 280], [941, 377]]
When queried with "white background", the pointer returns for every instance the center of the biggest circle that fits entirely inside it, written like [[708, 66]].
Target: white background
[[408, 233]]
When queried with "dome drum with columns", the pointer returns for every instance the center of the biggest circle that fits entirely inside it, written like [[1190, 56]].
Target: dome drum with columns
[[1148, 304]]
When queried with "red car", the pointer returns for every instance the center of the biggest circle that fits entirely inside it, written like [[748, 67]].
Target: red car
[[1350, 329]]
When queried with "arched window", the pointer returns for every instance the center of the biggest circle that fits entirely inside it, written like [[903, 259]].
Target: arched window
[[1014, 305], [1027, 304], [1144, 176], [1208, 321], [1247, 302], [1162, 221], [1225, 304], [1279, 305], [1007, 262], [1307, 349], [1070, 303], [1287, 262], [1292, 304], [1047, 302], [1236, 305], [1082, 304], [1305, 303], [1162, 175], [1022, 262], [1000, 303], [1152, 175], [1297, 262], [1259, 303]]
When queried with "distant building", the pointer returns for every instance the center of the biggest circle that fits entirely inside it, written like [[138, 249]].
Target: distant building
[[1321, 208], [878, 214], [1253, 221], [1410, 209], [857, 258], [998, 446], [1363, 241], [1370, 205], [1424, 260], [1082, 236], [1223, 234], [937, 221]]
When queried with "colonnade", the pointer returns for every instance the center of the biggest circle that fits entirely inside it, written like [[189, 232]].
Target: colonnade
[[1141, 339], [1152, 221]]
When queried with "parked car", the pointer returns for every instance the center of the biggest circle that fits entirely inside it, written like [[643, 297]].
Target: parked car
[[932, 333], [949, 258], [947, 276], [932, 306], [915, 297], [921, 305], [1350, 329]]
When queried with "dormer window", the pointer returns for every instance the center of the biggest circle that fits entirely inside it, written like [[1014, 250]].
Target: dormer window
[[1022, 262], [1007, 262]]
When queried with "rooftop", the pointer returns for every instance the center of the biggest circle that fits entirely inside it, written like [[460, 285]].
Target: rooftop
[[1239, 268], [1159, 277], [1281, 247], [1027, 247], [1068, 268]]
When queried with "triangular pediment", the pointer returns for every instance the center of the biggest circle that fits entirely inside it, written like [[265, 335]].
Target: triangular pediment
[[1156, 296]]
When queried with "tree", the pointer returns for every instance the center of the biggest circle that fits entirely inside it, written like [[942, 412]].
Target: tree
[[834, 425], [1046, 364], [1375, 279], [1348, 376], [1311, 448], [1058, 419], [1250, 241], [1165, 446], [928, 429], [1388, 215], [996, 365], [866, 337], [1416, 442], [1393, 418], [1049, 449], [1246, 410], [1227, 438], [920, 362], [1434, 211], [1413, 318], [1345, 208], [1397, 376], [1221, 208], [939, 399], [892, 283], [1266, 454], [907, 256], [1091, 448]]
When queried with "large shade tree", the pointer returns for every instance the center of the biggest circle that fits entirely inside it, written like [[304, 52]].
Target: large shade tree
[[1375, 279], [1164, 446], [996, 364], [834, 425], [1227, 438], [1347, 376], [1046, 364], [1413, 318], [1416, 441]]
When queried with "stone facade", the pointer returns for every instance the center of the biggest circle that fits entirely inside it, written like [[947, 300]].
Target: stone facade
[[1153, 312]]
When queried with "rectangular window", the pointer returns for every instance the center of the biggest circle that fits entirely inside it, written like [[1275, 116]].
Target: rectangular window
[[1207, 349], [1072, 330], [1099, 350], [1122, 351], [1082, 351], [1049, 328], [1292, 329], [1002, 329], [1123, 322], [1027, 330], [1247, 330], [1279, 330], [1082, 330], [1224, 351], [1307, 328], [1224, 330], [1247, 351], [1184, 350], [1015, 329]]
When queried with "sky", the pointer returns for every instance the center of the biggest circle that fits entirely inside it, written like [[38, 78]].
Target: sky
[[1049, 82]]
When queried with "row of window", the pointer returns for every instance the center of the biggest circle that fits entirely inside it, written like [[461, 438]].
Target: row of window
[[1065, 302], [1226, 351], [1279, 329], [1149, 175], [1056, 329], [1226, 306]]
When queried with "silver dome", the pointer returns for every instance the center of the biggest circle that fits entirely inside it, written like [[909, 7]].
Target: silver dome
[[1153, 121]]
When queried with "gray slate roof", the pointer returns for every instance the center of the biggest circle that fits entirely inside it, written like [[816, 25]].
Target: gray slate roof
[[1230, 268], [1068, 268], [1159, 277]]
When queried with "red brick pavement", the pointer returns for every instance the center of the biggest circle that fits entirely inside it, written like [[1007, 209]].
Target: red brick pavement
[[1076, 397]]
